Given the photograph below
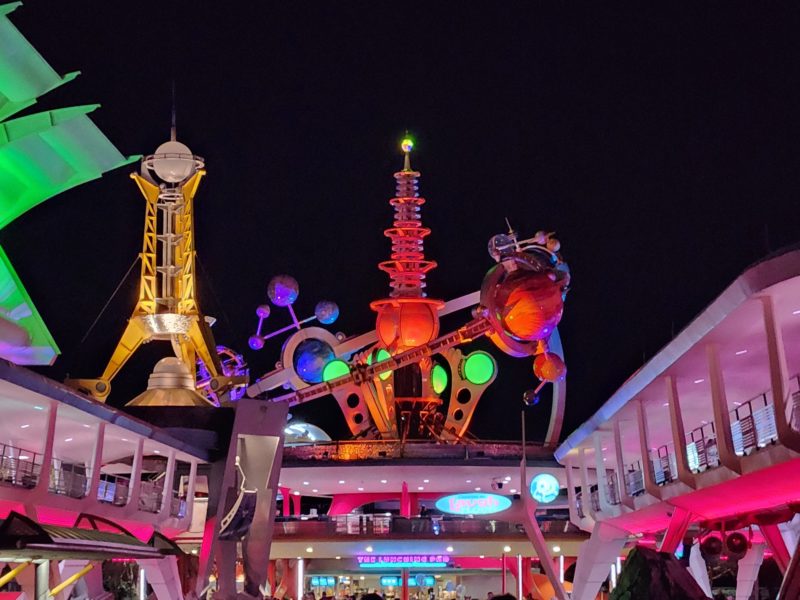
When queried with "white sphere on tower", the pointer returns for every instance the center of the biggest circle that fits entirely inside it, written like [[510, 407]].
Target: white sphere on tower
[[173, 162]]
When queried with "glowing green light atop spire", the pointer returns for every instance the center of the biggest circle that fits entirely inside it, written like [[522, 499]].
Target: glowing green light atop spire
[[479, 367], [335, 369], [438, 378], [407, 144]]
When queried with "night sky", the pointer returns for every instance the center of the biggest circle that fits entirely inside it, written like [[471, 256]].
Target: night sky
[[662, 146]]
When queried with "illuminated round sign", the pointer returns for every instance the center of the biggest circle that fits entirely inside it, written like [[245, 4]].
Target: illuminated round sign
[[545, 488], [473, 504]]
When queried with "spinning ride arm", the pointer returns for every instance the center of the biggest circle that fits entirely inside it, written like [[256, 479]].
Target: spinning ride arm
[[472, 330]]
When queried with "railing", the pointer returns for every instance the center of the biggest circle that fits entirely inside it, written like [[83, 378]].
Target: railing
[[69, 480], [394, 449], [150, 495], [579, 505], [177, 506], [19, 467], [114, 489], [398, 527]]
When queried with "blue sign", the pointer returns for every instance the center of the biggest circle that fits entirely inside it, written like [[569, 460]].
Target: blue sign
[[473, 504], [545, 488], [323, 581], [392, 581]]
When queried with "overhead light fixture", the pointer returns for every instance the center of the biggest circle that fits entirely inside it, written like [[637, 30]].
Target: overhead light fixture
[[699, 380], [24, 457], [738, 403], [341, 481], [482, 556], [740, 352], [368, 548], [67, 439], [506, 549], [305, 483], [426, 481], [665, 404], [469, 480], [477, 489], [384, 481], [556, 548], [309, 549], [796, 312], [24, 426], [157, 451], [296, 493], [420, 488], [124, 439], [87, 426], [38, 407], [338, 558], [361, 489], [507, 477], [315, 490], [449, 548], [513, 491]]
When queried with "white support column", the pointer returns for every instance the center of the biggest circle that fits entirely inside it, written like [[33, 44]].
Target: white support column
[[163, 576], [169, 481], [698, 569], [778, 375], [650, 485], [685, 474], [596, 556], [47, 457], [136, 477], [624, 496], [722, 417], [586, 488], [747, 573], [571, 496], [97, 461], [603, 494], [190, 492]]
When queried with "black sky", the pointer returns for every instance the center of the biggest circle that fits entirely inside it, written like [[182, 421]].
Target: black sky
[[659, 142]]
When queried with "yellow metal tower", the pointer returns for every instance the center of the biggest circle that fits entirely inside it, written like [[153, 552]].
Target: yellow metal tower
[[167, 308]]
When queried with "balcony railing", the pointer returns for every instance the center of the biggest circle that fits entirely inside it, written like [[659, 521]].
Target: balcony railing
[[398, 527], [114, 489], [394, 449], [19, 467], [69, 480]]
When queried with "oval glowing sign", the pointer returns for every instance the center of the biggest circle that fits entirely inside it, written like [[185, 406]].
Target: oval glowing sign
[[473, 504], [545, 488]]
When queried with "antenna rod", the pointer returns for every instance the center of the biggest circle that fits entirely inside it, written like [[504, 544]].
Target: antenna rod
[[173, 129]]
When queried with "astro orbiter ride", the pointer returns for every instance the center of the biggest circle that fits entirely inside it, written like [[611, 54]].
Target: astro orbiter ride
[[404, 380]]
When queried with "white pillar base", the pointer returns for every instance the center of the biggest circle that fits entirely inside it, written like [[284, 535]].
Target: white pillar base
[[697, 567], [595, 558], [748, 571]]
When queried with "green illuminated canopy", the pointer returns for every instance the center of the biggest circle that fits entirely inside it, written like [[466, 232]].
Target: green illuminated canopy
[[24, 74], [41, 155], [47, 153], [17, 310]]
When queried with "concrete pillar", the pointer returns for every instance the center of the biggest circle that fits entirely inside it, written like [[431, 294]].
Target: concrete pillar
[[595, 559], [169, 482], [42, 581], [571, 496], [697, 567], [747, 573], [47, 458], [624, 496], [190, 493], [603, 493], [286, 493], [97, 461], [405, 501], [722, 416], [678, 524], [650, 485], [678, 433], [775, 541], [778, 375], [163, 576], [586, 488], [136, 477]]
